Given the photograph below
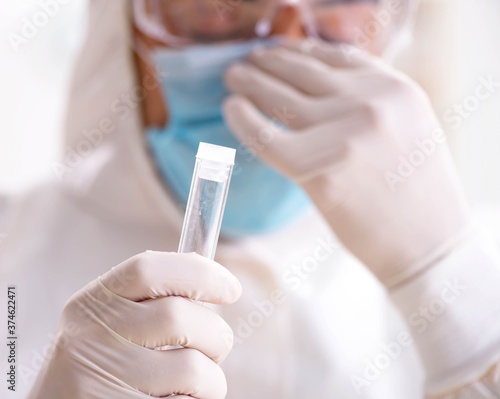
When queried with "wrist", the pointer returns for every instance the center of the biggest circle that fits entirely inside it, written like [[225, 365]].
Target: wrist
[[453, 311]]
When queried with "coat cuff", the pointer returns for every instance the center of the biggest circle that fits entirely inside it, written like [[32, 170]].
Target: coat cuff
[[453, 312]]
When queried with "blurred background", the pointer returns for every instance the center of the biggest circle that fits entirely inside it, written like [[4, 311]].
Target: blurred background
[[33, 82], [455, 48]]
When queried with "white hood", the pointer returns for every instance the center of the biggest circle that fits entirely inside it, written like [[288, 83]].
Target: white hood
[[116, 176]]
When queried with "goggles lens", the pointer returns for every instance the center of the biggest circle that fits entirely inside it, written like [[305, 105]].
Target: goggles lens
[[208, 21]]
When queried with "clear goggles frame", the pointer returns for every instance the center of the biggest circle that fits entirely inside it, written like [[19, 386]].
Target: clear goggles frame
[[180, 23]]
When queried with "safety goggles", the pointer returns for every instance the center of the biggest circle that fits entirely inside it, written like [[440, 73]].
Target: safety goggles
[[179, 23]]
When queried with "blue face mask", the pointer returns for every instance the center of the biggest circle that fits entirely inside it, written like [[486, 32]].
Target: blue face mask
[[260, 199]]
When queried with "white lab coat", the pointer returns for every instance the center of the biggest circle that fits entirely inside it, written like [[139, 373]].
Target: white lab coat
[[111, 204]]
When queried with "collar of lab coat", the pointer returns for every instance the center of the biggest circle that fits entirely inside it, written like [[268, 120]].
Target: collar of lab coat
[[106, 165]]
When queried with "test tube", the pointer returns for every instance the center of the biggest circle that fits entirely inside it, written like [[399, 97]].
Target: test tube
[[207, 198]]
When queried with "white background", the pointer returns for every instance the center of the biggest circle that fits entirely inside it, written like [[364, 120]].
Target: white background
[[457, 42], [33, 81]]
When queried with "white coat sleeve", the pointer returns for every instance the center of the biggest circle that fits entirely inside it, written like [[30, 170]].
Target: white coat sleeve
[[453, 312]]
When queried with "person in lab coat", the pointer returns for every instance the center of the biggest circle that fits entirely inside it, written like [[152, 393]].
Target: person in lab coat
[[351, 264]]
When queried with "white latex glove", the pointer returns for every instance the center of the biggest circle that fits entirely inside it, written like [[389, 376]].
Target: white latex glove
[[110, 328], [352, 120]]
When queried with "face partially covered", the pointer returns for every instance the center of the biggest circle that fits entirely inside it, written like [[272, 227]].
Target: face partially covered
[[366, 24], [206, 56]]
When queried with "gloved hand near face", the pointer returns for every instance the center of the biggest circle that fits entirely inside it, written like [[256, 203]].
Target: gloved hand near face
[[118, 320], [362, 140]]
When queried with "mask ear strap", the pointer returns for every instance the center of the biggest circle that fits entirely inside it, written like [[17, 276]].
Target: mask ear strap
[[152, 26]]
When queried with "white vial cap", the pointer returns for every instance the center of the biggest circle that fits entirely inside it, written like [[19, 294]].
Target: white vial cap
[[216, 153]]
